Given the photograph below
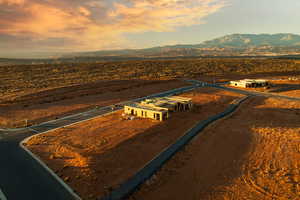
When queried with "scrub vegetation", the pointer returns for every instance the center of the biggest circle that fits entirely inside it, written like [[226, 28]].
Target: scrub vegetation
[[19, 79]]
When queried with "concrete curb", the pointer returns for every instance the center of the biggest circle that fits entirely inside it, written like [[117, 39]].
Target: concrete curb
[[186, 89], [67, 187], [129, 186]]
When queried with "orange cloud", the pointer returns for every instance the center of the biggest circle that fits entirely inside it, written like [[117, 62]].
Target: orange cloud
[[12, 2], [90, 24]]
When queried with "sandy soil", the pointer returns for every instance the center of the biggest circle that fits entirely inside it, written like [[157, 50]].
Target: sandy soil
[[233, 77], [293, 93], [287, 87], [96, 156], [282, 87], [254, 154], [50, 104]]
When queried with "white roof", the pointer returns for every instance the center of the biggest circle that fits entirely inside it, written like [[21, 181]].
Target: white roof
[[250, 81]]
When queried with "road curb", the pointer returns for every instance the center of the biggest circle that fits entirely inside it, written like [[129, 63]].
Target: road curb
[[143, 174], [66, 186], [178, 90]]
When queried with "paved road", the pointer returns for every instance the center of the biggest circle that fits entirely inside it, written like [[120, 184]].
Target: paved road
[[129, 186], [148, 170], [265, 94], [22, 177]]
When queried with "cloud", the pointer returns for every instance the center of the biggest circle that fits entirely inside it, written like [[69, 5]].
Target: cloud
[[95, 24], [12, 2]]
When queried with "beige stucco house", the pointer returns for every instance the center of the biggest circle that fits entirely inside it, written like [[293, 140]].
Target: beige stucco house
[[158, 108], [250, 83]]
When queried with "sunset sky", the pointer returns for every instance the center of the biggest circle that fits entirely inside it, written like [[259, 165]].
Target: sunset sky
[[31, 26]]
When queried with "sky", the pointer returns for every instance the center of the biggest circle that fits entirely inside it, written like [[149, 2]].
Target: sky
[[31, 27]]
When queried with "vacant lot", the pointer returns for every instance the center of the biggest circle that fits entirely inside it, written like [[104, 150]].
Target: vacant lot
[[287, 87], [19, 80], [96, 156], [255, 154], [282, 87], [50, 104], [35, 93]]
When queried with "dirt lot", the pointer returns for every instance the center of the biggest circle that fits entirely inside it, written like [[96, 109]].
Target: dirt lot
[[287, 87], [282, 87], [255, 154], [96, 156], [50, 104]]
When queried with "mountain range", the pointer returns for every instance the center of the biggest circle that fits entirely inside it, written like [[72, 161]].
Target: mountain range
[[229, 45], [235, 45]]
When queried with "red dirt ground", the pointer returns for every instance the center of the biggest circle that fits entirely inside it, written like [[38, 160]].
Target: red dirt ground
[[254, 154], [288, 87], [282, 87], [50, 104], [95, 156]]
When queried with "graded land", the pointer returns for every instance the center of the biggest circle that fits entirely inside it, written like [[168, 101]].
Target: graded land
[[254, 154], [31, 94], [287, 87], [281, 86], [51, 104], [96, 156]]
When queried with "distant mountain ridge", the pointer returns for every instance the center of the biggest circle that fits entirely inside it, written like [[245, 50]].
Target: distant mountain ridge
[[234, 45], [254, 40], [229, 45]]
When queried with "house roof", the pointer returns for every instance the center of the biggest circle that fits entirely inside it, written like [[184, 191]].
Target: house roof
[[161, 103], [250, 81], [140, 106]]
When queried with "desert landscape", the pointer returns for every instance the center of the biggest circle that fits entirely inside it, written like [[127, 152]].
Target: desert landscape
[[149, 100], [254, 154], [33, 94], [96, 156], [54, 103], [251, 154]]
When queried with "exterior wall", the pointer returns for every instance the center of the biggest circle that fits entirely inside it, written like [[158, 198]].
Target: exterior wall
[[145, 113], [249, 83], [161, 112], [238, 84]]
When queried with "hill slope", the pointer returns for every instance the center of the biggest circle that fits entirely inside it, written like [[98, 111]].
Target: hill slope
[[252, 40], [229, 45]]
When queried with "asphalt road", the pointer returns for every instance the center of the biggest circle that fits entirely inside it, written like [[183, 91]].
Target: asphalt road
[[129, 186], [236, 90], [22, 177]]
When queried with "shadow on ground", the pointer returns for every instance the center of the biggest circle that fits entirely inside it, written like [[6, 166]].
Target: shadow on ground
[[215, 164], [108, 169]]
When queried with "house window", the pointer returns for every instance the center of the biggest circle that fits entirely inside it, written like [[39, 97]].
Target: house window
[[157, 116]]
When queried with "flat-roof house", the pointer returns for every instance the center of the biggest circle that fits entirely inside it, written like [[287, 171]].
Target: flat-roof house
[[250, 83], [158, 108]]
